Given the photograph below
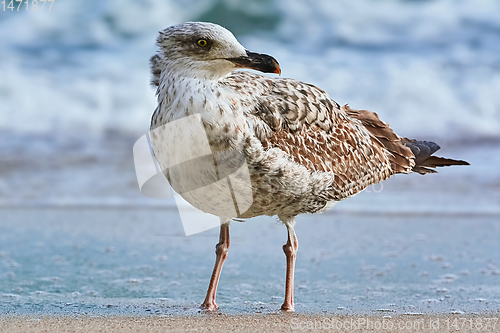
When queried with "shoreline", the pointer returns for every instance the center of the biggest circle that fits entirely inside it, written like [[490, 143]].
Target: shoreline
[[275, 322]]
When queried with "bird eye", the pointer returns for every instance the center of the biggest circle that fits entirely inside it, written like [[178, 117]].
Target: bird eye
[[202, 42]]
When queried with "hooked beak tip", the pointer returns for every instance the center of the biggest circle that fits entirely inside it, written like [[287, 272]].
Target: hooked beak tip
[[277, 69], [260, 62]]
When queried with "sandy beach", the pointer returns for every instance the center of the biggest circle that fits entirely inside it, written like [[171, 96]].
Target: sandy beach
[[254, 323], [418, 254], [82, 250]]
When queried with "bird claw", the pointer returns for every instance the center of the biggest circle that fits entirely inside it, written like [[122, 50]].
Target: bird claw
[[210, 306], [287, 308]]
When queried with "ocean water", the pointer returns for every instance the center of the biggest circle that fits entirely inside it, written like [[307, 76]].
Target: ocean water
[[74, 93], [76, 236], [430, 68]]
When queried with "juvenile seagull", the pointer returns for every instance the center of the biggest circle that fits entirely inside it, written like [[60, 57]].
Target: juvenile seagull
[[304, 151]]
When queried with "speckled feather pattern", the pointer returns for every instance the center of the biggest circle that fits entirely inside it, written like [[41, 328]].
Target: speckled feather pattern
[[304, 151]]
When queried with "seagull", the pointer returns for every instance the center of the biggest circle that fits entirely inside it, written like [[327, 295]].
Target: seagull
[[304, 151]]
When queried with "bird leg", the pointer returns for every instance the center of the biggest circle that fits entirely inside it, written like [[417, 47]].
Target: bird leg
[[221, 250], [290, 249]]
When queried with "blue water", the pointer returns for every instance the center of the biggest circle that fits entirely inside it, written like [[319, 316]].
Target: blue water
[[430, 68]]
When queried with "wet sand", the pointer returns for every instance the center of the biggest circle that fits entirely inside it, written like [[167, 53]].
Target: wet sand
[[426, 245], [137, 262], [254, 323]]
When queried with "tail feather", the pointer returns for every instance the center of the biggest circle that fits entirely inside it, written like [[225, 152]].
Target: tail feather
[[401, 157], [407, 155], [424, 160], [421, 149]]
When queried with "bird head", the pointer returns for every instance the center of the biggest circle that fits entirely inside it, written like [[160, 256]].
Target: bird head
[[206, 50]]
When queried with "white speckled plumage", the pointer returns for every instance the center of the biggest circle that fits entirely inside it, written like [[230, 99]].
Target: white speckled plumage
[[304, 151]]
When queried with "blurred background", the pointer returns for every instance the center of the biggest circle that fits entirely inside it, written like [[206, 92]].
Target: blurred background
[[75, 95]]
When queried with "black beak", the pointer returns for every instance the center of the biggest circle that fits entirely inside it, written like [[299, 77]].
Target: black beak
[[257, 61]]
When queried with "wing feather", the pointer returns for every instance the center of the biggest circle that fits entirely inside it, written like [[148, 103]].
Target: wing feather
[[317, 133]]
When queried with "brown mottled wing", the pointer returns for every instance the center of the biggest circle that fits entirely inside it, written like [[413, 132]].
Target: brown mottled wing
[[316, 132], [402, 158], [406, 154]]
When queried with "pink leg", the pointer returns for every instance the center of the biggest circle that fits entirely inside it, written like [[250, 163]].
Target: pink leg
[[290, 249], [221, 250]]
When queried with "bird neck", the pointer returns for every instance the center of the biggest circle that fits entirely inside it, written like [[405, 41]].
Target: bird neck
[[183, 94], [221, 113], [180, 95]]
